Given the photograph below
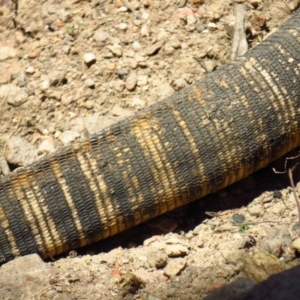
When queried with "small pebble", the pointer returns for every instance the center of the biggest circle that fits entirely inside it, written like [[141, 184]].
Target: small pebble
[[119, 85], [122, 26], [277, 194], [30, 70], [153, 49], [174, 267], [116, 50], [179, 84], [238, 219], [131, 82], [89, 58], [136, 46], [137, 102], [90, 83], [142, 80]]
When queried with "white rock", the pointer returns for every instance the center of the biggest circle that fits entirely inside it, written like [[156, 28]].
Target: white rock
[[212, 25], [47, 146], [119, 85], [120, 111], [157, 259], [30, 70], [174, 267], [132, 63], [128, 53], [296, 244], [162, 35], [89, 58], [142, 80], [23, 272], [45, 84], [68, 136], [5, 74], [122, 26], [57, 77], [90, 83], [131, 82], [7, 90], [102, 38], [145, 16], [184, 46], [14, 95], [45, 131], [255, 210], [191, 19], [164, 90], [168, 49], [136, 46], [116, 49], [7, 52], [4, 168], [122, 9], [137, 102], [175, 44], [179, 84], [76, 124], [57, 134], [66, 99], [145, 31], [95, 123], [19, 152]]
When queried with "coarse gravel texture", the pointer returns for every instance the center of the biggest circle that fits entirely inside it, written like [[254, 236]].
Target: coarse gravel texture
[[70, 68]]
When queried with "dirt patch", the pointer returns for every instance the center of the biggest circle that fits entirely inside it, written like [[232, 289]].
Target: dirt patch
[[70, 68]]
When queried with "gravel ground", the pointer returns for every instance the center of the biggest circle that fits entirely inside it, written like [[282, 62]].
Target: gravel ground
[[70, 68]]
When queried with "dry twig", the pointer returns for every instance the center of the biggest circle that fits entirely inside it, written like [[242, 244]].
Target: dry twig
[[290, 174], [240, 45]]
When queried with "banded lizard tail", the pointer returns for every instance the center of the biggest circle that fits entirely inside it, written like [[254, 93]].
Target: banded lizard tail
[[233, 122]]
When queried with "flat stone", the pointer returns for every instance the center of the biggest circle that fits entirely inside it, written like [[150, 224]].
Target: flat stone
[[7, 52], [68, 136], [24, 277], [19, 152], [95, 123], [157, 259], [5, 74], [120, 111], [131, 82], [116, 50], [142, 80], [14, 95], [176, 250], [174, 267], [155, 48], [261, 265], [102, 38], [164, 90]]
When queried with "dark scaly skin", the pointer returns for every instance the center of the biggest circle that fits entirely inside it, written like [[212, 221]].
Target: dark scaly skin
[[233, 122]]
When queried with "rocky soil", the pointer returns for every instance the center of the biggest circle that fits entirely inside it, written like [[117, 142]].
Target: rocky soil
[[70, 68]]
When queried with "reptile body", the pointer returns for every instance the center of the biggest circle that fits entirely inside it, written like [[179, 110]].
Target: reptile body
[[233, 122]]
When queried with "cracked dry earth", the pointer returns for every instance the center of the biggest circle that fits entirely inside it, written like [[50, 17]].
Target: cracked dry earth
[[70, 68]]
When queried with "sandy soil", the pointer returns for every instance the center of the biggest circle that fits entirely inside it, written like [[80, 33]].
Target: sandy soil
[[70, 68]]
